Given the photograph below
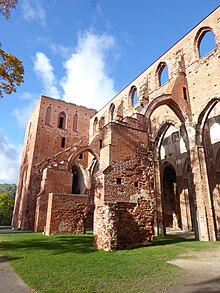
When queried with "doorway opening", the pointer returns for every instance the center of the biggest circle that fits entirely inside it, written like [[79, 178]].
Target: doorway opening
[[78, 185], [171, 206]]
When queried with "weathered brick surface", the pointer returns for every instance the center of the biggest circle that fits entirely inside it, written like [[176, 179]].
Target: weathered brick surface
[[50, 183], [129, 147], [66, 214], [130, 178], [124, 225], [43, 140]]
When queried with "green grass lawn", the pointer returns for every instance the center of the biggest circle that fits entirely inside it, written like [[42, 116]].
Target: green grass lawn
[[70, 263]]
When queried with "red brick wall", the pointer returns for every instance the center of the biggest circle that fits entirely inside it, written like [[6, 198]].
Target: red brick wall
[[128, 179], [66, 214], [41, 142], [54, 180], [124, 225]]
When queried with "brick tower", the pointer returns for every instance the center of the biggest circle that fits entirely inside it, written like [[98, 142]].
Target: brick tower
[[53, 126]]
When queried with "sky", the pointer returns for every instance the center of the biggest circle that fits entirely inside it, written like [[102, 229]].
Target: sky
[[84, 52]]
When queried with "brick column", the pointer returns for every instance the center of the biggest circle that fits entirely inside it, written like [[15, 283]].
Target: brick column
[[183, 195], [160, 230], [204, 211]]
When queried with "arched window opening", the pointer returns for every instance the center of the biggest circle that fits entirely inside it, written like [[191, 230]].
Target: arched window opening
[[206, 43], [95, 126], [63, 142], [163, 74], [78, 184], [170, 198], [75, 122], [48, 115], [102, 122], [112, 112], [62, 120], [185, 93], [134, 96]]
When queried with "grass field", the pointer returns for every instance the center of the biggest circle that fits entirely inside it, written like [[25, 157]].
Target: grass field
[[70, 263]]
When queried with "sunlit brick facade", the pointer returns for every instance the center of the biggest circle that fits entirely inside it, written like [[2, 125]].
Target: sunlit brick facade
[[155, 144]]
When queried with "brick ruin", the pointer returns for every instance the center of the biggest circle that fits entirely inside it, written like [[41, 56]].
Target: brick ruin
[[147, 161]]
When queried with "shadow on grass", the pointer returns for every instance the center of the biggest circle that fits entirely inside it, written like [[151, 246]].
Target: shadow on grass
[[8, 259], [166, 240], [55, 244], [61, 244]]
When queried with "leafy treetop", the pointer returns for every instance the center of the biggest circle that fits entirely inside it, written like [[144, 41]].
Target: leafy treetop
[[8, 188], [11, 68], [6, 208], [6, 5], [11, 72]]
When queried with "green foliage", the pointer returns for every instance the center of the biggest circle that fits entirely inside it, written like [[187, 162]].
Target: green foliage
[[70, 264], [6, 209], [9, 188], [11, 68]]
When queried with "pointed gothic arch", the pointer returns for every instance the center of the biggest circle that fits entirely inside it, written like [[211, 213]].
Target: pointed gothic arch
[[62, 120]]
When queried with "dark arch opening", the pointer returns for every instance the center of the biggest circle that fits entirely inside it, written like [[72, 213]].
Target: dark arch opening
[[78, 185], [62, 120], [171, 209]]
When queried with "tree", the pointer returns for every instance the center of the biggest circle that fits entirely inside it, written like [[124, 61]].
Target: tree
[[6, 209], [6, 5], [9, 188], [11, 68]]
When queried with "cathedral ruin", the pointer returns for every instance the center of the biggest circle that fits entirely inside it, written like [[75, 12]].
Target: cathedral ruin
[[148, 160]]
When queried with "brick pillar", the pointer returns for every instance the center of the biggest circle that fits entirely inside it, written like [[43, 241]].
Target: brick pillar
[[212, 176], [183, 195], [204, 211], [159, 211]]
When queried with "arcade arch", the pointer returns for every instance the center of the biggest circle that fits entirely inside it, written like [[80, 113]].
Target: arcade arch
[[170, 144], [208, 129], [171, 205], [84, 163]]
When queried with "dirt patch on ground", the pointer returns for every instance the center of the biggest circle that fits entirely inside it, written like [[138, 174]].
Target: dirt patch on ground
[[201, 272]]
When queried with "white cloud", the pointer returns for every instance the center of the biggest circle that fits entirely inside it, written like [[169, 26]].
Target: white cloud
[[10, 160], [44, 69], [22, 114], [32, 10], [87, 80]]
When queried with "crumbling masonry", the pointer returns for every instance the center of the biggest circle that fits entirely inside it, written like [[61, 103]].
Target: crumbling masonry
[[148, 160]]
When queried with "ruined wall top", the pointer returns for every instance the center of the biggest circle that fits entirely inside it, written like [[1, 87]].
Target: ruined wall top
[[179, 59]]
